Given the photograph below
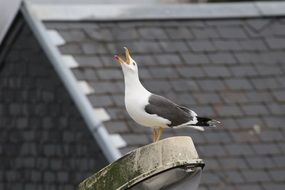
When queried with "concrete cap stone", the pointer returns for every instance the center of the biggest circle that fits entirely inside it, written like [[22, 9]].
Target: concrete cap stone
[[145, 162]]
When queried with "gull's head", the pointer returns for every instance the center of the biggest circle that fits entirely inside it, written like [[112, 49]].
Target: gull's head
[[128, 64]]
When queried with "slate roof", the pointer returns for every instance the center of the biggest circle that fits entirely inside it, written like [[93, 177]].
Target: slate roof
[[44, 141], [229, 69]]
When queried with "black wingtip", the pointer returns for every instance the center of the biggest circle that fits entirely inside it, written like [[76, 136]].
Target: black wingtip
[[207, 122], [214, 123]]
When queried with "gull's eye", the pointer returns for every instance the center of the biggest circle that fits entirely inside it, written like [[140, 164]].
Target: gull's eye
[[134, 64]]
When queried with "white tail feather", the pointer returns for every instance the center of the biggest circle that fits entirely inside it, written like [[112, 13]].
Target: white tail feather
[[196, 127]]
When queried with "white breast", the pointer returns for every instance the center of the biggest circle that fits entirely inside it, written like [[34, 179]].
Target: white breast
[[135, 103]]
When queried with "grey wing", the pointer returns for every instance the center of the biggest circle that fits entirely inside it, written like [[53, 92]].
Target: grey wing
[[167, 109]]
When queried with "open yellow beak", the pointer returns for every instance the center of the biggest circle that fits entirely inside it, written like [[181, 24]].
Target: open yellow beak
[[128, 57]]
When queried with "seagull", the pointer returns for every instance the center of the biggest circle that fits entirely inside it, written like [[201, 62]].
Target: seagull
[[154, 111]]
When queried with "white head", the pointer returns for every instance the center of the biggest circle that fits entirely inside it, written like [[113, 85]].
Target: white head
[[129, 66]]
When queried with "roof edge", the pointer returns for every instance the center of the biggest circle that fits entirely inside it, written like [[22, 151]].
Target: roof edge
[[97, 12], [96, 127]]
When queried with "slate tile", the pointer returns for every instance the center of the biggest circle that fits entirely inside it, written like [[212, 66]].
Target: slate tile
[[211, 85], [255, 176], [267, 70], [258, 24], [232, 32], [266, 149], [233, 163], [205, 111], [168, 59], [174, 46], [138, 129], [275, 108], [201, 46], [88, 61], [163, 72], [239, 149], [73, 35], [49, 177], [90, 74], [233, 177], [146, 47], [222, 58], [227, 45], [109, 74], [210, 179], [22, 122], [117, 113], [271, 57], [145, 74], [151, 33], [179, 33], [229, 123], [146, 60], [259, 96], [271, 136], [238, 84], [281, 81], [279, 95], [254, 109], [92, 48], [234, 97], [129, 34], [275, 43], [100, 100], [73, 49], [243, 70], [196, 136], [244, 136], [116, 126], [157, 86], [217, 71], [212, 164], [206, 98], [252, 45], [277, 175], [205, 33], [224, 23], [106, 61], [278, 29], [99, 34], [218, 137], [258, 162], [279, 160], [228, 110], [133, 139], [78, 73], [211, 150], [249, 122], [191, 72], [119, 100], [274, 186], [62, 177], [246, 186], [247, 57], [12, 176], [184, 85], [274, 122], [36, 176], [193, 59], [105, 87], [264, 83]]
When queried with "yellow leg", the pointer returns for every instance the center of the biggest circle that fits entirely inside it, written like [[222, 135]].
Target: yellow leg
[[160, 130], [154, 134]]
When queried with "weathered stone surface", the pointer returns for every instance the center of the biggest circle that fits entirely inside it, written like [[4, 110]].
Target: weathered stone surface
[[143, 163]]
